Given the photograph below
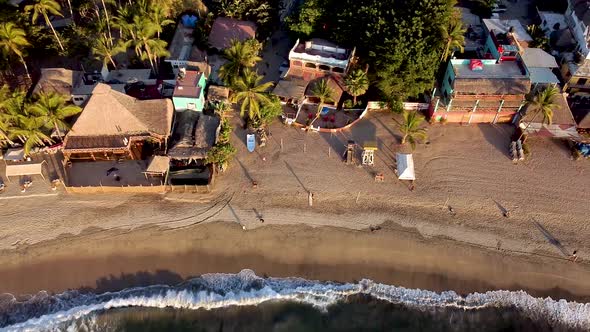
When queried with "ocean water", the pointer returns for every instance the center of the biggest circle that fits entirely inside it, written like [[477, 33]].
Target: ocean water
[[247, 302]]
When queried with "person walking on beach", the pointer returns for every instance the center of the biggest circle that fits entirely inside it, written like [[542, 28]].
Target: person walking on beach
[[574, 256]]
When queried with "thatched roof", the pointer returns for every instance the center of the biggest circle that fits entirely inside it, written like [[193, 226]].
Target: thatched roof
[[291, 87], [217, 93], [111, 113], [196, 134], [158, 165], [226, 29], [59, 80]]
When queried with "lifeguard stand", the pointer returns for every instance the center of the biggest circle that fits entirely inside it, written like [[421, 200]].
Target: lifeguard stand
[[369, 149], [350, 152]]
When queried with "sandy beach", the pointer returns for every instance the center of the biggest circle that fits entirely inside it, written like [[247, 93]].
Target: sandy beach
[[106, 242], [112, 260]]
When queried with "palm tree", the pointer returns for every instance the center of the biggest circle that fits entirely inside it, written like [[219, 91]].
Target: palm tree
[[43, 7], [52, 107], [158, 49], [145, 32], [124, 22], [453, 36], [240, 55], [250, 93], [5, 118], [356, 84], [410, 127], [106, 14], [159, 13], [13, 40], [542, 103], [324, 93], [540, 40], [105, 52], [220, 108], [29, 130]]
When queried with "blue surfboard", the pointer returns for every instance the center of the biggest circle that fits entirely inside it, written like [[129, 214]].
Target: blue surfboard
[[251, 142]]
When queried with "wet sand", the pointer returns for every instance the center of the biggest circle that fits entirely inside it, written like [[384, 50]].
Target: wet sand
[[113, 260]]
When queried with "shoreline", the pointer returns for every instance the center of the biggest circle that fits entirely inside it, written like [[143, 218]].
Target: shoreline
[[117, 259]]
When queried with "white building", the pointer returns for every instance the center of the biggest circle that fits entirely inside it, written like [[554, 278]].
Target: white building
[[577, 17]]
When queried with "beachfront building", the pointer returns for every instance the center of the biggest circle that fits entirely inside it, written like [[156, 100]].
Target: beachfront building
[[189, 93], [311, 61], [318, 58], [114, 126], [194, 135], [481, 91], [575, 64], [226, 29], [505, 39], [183, 54]]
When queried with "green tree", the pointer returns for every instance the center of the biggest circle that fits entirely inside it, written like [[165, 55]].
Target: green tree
[[53, 109], [220, 108], [5, 118], [13, 40], [147, 47], [223, 150], [540, 40], [356, 83], [250, 93], [239, 56], [306, 18], [29, 130], [410, 128], [454, 36], [269, 112], [542, 103], [322, 91], [105, 51], [43, 8], [159, 13]]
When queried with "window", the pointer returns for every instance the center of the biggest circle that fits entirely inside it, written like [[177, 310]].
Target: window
[[582, 81], [191, 106], [324, 67], [296, 64], [450, 80], [309, 65], [337, 70]]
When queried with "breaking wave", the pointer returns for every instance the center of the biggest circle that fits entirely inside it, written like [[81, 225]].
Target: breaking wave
[[55, 312]]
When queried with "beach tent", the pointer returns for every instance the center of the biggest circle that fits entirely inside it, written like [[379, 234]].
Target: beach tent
[[26, 168], [15, 154], [405, 166]]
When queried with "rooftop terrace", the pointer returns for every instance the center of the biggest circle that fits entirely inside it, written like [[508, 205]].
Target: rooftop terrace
[[491, 69]]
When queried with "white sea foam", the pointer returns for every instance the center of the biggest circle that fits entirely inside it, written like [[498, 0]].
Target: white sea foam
[[245, 288]]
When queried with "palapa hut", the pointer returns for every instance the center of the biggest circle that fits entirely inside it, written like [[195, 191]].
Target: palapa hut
[[114, 125], [194, 136]]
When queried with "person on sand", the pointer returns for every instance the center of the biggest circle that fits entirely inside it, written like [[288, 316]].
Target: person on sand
[[574, 256]]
